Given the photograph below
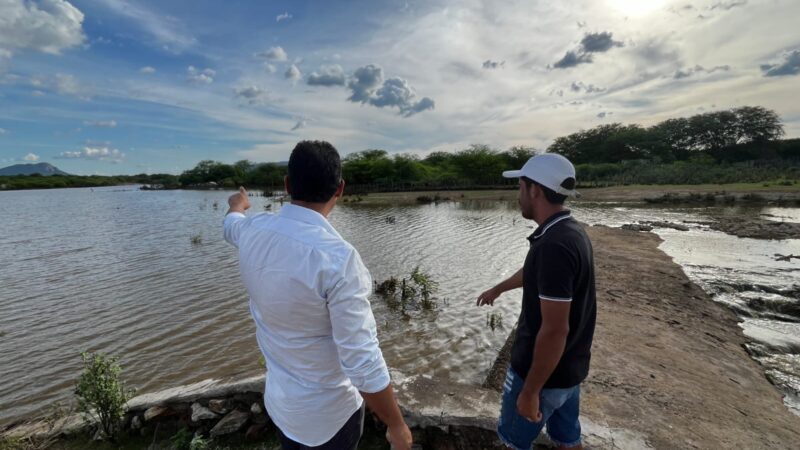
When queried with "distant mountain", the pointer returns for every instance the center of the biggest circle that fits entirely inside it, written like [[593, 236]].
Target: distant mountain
[[44, 169]]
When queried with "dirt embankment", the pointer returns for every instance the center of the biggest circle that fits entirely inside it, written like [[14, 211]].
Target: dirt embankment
[[668, 362]]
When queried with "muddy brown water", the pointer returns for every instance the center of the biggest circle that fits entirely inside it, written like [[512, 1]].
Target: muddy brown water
[[115, 270]]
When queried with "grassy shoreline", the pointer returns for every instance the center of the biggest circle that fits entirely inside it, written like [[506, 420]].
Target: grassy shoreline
[[765, 192]]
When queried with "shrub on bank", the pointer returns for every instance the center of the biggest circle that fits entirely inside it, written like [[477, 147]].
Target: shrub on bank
[[101, 394]]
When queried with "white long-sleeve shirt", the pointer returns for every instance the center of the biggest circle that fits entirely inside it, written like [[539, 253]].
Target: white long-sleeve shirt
[[309, 298]]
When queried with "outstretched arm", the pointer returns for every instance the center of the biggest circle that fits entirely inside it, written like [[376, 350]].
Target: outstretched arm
[[512, 282], [238, 203]]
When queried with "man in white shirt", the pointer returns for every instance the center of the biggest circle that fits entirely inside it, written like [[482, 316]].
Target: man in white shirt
[[309, 299]]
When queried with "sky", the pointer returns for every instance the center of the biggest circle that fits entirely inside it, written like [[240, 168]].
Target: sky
[[124, 87]]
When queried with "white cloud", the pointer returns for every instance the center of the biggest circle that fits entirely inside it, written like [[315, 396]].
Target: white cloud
[[274, 54], [3, 131], [270, 68], [66, 84], [327, 76], [293, 74], [31, 157], [147, 70], [253, 95], [100, 123], [200, 76], [95, 153], [168, 32], [368, 86], [284, 16], [48, 26]]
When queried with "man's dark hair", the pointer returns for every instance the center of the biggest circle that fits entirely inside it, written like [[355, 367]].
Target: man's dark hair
[[551, 195], [315, 171]]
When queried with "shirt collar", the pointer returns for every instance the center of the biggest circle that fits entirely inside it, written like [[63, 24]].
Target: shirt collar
[[552, 220], [307, 215]]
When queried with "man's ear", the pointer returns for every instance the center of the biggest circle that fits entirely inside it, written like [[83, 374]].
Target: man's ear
[[340, 189], [536, 190], [286, 184]]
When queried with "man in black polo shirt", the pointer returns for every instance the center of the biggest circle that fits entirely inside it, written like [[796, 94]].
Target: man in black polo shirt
[[550, 356]]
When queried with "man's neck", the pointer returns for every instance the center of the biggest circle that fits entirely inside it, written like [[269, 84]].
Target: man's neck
[[541, 216], [322, 208]]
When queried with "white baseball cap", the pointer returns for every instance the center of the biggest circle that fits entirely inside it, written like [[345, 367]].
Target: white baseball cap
[[551, 170]]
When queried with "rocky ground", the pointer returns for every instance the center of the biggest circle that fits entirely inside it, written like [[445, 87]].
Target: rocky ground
[[756, 227], [668, 362]]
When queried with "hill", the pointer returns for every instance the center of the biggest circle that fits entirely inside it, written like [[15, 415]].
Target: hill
[[44, 169]]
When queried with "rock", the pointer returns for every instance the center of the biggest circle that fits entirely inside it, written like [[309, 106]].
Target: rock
[[200, 412], [255, 432], [157, 412], [218, 406], [260, 419], [231, 423], [136, 423], [256, 409], [636, 227], [674, 226]]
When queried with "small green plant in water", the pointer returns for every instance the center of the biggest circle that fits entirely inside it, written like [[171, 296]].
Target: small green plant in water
[[416, 291], [426, 287], [387, 288], [494, 321], [101, 394]]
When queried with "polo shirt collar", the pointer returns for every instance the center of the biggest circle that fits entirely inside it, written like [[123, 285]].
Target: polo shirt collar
[[307, 215], [552, 220]]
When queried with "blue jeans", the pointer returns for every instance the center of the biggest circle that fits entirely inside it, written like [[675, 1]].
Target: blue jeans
[[560, 409]]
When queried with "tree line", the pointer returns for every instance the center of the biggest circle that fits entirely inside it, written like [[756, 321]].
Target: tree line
[[678, 150], [737, 145]]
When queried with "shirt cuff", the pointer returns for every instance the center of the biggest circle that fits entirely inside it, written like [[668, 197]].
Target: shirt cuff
[[373, 382]]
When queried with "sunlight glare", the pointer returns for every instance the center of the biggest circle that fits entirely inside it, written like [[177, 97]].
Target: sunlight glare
[[637, 8]]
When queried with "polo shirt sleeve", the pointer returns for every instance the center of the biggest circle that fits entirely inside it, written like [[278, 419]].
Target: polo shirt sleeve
[[354, 329], [556, 270]]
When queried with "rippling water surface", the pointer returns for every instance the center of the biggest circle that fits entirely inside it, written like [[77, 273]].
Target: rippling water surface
[[115, 270]]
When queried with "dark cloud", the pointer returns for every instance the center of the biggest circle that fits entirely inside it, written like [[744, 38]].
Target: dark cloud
[[368, 86], [688, 72], [578, 86], [591, 43], [790, 65], [300, 124], [328, 76], [727, 5], [599, 42], [604, 114], [489, 64], [397, 92], [572, 59], [364, 82]]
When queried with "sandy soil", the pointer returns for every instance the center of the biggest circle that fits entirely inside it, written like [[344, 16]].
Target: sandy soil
[[668, 362]]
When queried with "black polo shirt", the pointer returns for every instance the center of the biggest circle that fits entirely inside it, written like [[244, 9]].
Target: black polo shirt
[[559, 267]]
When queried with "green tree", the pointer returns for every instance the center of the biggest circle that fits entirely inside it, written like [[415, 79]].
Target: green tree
[[757, 124]]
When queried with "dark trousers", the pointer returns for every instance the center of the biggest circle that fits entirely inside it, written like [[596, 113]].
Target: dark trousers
[[346, 438]]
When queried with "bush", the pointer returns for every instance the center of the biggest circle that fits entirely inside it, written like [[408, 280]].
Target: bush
[[101, 393]]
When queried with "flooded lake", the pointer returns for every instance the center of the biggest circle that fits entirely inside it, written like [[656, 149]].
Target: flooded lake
[[147, 276]]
